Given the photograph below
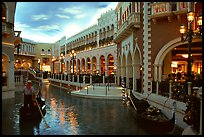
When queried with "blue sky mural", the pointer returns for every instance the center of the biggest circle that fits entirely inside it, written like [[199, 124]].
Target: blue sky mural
[[47, 22]]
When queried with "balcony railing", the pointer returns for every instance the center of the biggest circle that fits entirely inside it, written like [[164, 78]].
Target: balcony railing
[[132, 21], [166, 9], [25, 53], [7, 28], [160, 8]]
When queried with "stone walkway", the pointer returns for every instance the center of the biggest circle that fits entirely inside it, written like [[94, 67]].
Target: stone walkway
[[103, 92]]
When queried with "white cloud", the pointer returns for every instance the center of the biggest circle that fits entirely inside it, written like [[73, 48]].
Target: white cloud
[[52, 33], [62, 16], [20, 26], [72, 29], [41, 37], [39, 17], [72, 10], [46, 28], [100, 11]]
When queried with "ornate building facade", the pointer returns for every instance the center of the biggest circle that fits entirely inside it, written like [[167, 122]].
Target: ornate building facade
[[133, 43], [94, 48], [10, 39], [25, 54], [140, 44]]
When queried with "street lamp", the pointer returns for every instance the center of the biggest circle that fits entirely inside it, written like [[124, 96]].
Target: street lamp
[[73, 57], [53, 60], [62, 61], [39, 64], [189, 36]]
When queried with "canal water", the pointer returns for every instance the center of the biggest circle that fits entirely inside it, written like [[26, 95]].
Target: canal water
[[70, 115]]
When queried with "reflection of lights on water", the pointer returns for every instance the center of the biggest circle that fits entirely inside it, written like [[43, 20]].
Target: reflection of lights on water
[[61, 114], [72, 119], [73, 122], [60, 110], [53, 106]]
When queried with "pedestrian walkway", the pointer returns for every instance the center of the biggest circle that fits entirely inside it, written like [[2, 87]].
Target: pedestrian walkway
[[103, 92]]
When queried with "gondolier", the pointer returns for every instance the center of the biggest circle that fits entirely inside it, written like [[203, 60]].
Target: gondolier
[[28, 92], [37, 109]]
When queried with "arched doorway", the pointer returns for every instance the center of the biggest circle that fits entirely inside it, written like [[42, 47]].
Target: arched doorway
[[137, 70], [83, 66], [94, 65], [78, 67], [129, 71], [171, 62], [110, 65], [175, 51], [102, 65], [88, 70]]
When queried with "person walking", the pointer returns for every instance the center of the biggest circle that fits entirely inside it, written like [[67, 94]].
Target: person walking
[[28, 91]]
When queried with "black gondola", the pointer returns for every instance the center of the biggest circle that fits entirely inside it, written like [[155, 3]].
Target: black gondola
[[34, 112], [151, 118]]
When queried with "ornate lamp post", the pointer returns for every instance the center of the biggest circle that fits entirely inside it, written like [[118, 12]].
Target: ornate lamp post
[[193, 110], [62, 61], [73, 57], [53, 60], [189, 36]]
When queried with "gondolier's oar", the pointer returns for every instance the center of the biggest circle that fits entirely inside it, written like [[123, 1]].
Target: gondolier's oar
[[42, 114], [133, 104]]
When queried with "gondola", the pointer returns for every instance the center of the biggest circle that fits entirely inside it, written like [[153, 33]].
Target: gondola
[[35, 112], [151, 118]]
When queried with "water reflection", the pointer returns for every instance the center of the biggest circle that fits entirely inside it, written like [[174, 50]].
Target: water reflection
[[70, 115], [73, 123]]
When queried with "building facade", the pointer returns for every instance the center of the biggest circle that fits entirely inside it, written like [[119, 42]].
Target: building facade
[[25, 55], [149, 42], [140, 44], [43, 56], [132, 43], [10, 39], [95, 51]]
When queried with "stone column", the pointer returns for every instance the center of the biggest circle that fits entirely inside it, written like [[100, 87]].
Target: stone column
[[145, 49], [118, 74], [84, 79], [189, 88], [10, 75], [106, 68], [160, 73]]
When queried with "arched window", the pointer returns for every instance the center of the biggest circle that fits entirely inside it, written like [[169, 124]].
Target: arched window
[[43, 52], [3, 12], [48, 52]]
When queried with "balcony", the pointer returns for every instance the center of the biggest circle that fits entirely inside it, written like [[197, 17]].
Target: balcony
[[133, 21], [30, 54], [160, 10], [7, 29], [167, 10]]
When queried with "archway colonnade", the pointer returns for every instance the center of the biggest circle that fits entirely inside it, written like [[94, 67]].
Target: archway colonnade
[[94, 65]]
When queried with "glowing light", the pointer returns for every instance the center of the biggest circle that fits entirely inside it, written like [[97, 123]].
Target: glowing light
[[185, 55]]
